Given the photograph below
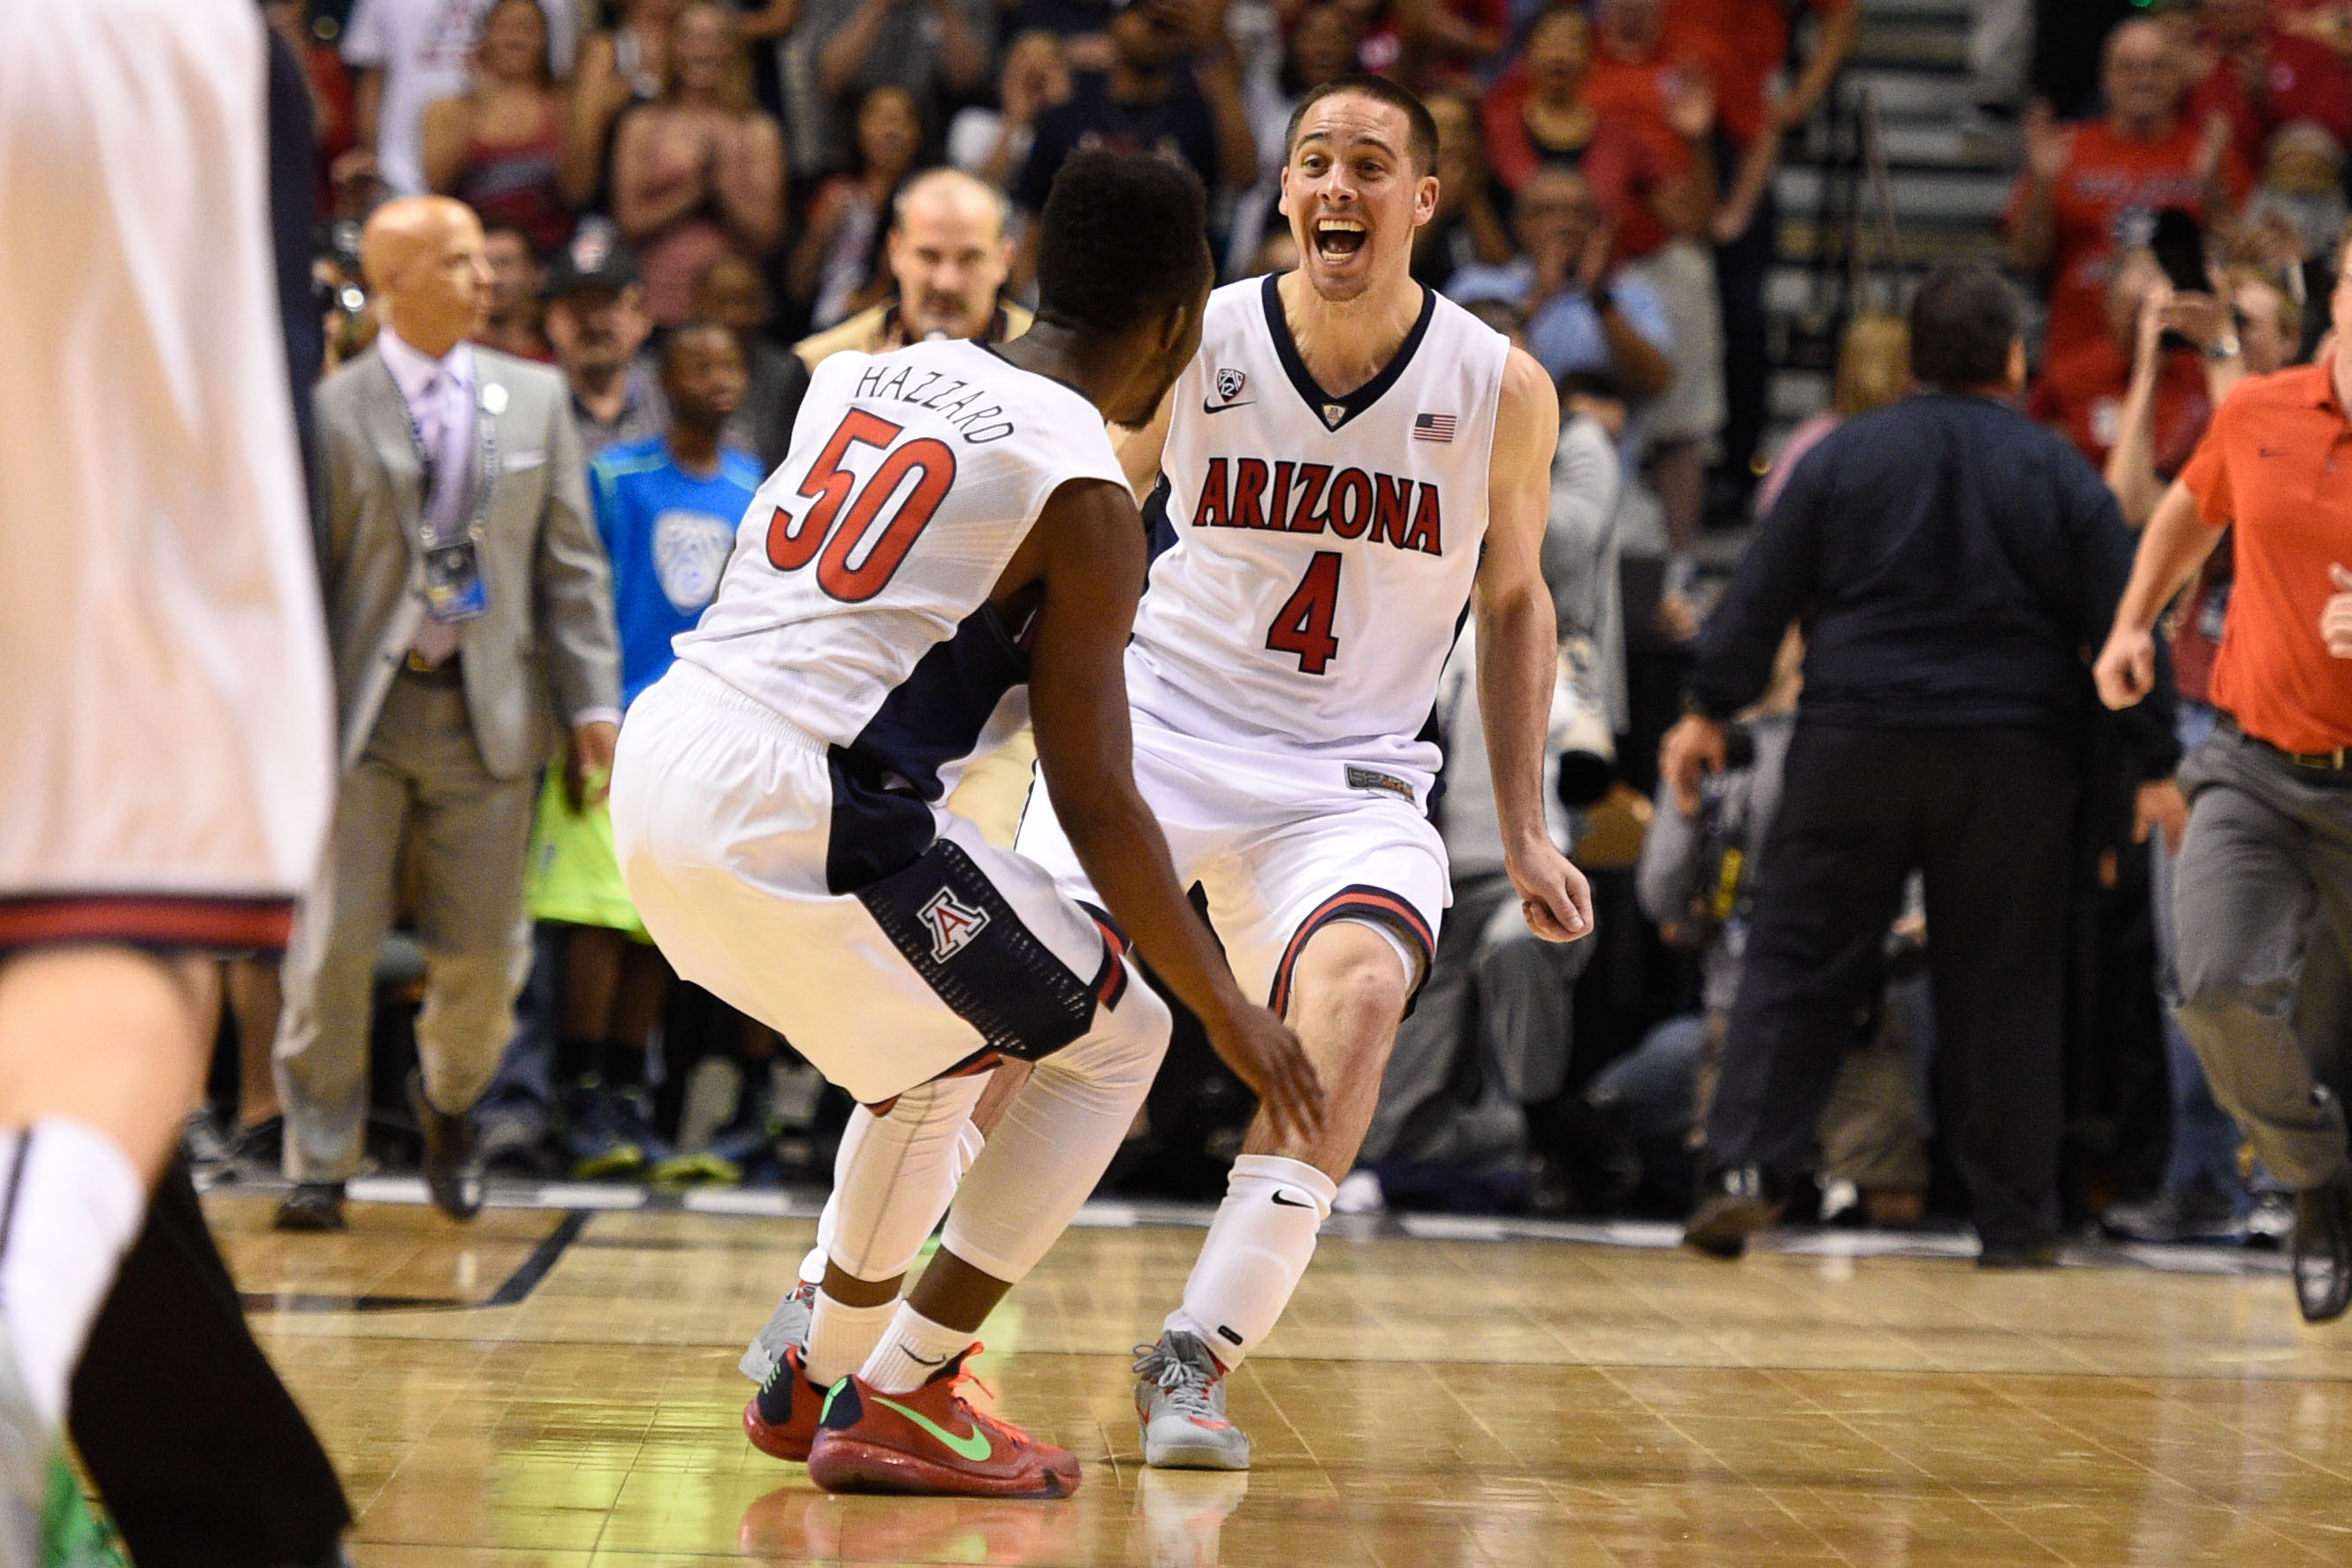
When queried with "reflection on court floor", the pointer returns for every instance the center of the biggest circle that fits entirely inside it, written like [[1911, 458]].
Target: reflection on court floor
[[558, 1386]]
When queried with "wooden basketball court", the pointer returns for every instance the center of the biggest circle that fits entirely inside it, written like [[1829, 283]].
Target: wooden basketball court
[[557, 1387]]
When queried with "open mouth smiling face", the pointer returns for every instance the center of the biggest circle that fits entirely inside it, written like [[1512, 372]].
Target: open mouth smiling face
[[1351, 192]]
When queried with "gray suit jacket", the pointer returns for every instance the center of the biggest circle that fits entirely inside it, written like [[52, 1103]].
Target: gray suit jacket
[[546, 650]]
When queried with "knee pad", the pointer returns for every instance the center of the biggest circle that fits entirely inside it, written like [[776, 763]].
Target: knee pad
[[894, 1176]]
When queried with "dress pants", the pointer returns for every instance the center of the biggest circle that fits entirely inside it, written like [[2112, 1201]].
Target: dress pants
[[203, 1458], [1986, 814], [2269, 846], [421, 774]]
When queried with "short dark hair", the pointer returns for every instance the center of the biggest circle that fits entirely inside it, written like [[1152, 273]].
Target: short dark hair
[[1123, 237], [1420, 140], [508, 226], [1963, 320], [674, 342]]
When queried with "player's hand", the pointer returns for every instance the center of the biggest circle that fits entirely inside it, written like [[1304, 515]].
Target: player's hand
[[1265, 1055], [2126, 668], [1553, 895], [1692, 750], [2336, 618], [588, 765], [2160, 807]]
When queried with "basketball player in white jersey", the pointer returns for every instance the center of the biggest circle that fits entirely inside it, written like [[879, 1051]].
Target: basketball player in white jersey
[[1349, 465], [949, 547], [168, 759]]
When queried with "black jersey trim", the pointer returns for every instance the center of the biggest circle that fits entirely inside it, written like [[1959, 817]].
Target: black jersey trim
[[1317, 400]]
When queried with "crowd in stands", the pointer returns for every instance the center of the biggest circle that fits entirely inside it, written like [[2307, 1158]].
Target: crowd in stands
[[689, 203]]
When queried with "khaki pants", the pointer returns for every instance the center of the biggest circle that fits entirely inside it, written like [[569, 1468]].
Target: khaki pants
[[421, 773]]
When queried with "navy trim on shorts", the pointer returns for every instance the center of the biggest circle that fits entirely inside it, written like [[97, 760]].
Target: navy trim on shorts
[[970, 946], [1360, 902]]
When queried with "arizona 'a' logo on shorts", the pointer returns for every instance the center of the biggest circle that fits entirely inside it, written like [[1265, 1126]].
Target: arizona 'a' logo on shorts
[[952, 922]]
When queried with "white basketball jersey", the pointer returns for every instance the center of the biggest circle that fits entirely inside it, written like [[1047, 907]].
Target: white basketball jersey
[[1324, 546], [856, 603]]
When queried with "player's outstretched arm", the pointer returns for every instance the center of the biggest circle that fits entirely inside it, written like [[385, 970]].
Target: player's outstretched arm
[[1518, 647], [1089, 549]]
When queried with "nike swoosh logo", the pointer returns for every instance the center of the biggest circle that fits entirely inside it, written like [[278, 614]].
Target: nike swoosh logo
[[918, 1360], [974, 1448], [1207, 407], [1291, 1203]]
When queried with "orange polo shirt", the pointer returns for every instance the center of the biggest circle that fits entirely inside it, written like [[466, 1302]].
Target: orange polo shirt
[[2277, 465]]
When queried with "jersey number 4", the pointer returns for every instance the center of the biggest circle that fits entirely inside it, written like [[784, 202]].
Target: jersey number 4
[[793, 542], [1302, 624]]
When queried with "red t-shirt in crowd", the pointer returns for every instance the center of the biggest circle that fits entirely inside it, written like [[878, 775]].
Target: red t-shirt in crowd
[[2106, 202], [1750, 40], [2306, 81], [2082, 392], [1625, 161], [2276, 469]]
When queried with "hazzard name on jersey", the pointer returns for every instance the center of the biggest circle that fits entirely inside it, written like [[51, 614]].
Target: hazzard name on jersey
[[967, 408], [1309, 498]]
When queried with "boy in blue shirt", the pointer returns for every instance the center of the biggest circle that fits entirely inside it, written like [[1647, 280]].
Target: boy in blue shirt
[[666, 509], [667, 506]]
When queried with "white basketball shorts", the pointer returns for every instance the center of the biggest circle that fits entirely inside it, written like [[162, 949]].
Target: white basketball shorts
[[726, 815], [1282, 844]]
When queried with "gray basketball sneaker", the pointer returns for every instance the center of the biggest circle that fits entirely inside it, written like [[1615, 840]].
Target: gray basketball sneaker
[[1179, 1397], [789, 1326], [27, 1445]]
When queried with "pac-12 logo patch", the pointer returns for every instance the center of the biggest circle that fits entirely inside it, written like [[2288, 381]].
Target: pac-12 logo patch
[[952, 922], [1230, 383]]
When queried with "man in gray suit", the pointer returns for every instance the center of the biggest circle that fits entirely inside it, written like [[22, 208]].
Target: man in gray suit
[[470, 611]]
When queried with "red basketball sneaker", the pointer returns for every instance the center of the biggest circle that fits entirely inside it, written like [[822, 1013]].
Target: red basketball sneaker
[[780, 1419], [932, 1442]]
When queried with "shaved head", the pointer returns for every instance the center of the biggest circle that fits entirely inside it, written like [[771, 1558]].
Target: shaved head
[[427, 260], [399, 232]]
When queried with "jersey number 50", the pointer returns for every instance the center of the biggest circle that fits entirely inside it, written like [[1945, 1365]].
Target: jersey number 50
[[793, 543]]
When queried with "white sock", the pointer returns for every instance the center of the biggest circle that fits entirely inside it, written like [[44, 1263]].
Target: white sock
[[1258, 1246], [70, 1204], [912, 1349], [841, 1338]]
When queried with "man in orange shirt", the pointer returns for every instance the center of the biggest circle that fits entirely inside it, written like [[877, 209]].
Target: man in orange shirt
[[2091, 191], [2270, 828]]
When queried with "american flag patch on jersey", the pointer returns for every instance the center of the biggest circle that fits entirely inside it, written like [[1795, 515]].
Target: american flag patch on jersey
[[1432, 427]]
